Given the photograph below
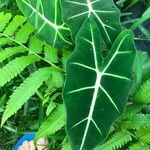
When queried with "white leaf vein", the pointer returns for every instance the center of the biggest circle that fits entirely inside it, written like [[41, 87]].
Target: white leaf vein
[[84, 66], [46, 21], [77, 3], [81, 89], [78, 15], [110, 98]]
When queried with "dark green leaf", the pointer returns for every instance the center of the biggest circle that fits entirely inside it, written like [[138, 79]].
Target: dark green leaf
[[103, 12], [46, 16], [97, 88]]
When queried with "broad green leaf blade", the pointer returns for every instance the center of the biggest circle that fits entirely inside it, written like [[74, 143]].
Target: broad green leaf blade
[[105, 13], [96, 88], [26, 89], [54, 123], [46, 16]]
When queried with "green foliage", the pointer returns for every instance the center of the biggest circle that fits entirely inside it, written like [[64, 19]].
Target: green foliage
[[46, 20], [142, 95], [14, 34], [146, 67], [117, 141], [15, 67], [105, 14], [100, 98], [53, 123], [144, 133], [145, 16], [136, 121], [51, 54], [66, 145], [50, 108], [139, 146], [22, 93], [32, 72], [3, 2]]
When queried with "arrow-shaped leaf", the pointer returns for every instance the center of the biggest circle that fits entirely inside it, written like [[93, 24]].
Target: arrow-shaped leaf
[[46, 16], [96, 88], [105, 13]]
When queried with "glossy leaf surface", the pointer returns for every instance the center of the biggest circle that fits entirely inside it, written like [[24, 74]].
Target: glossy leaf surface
[[45, 15], [104, 12], [96, 88]]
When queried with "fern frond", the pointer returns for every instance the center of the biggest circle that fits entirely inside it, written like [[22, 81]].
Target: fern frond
[[24, 92], [142, 95], [116, 141], [66, 146], [10, 51], [5, 41], [35, 44], [137, 121], [55, 122], [131, 110], [57, 80], [17, 31], [14, 25], [50, 108], [21, 34], [51, 53], [4, 17], [143, 134], [139, 146], [16, 66]]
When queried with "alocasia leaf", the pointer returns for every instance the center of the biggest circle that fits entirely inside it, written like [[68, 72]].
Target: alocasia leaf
[[96, 88], [46, 16], [104, 12]]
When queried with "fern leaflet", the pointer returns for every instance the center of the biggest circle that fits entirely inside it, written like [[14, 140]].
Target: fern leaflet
[[116, 141], [139, 146], [54, 123], [23, 34], [13, 25], [143, 134], [51, 53], [136, 121], [10, 51], [5, 17], [25, 91], [142, 95], [15, 67]]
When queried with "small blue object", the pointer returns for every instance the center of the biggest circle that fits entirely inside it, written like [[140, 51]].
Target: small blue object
[[26, 137]]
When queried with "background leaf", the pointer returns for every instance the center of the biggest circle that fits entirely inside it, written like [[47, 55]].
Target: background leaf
[[45, 15], [105, 13], [54, 123]]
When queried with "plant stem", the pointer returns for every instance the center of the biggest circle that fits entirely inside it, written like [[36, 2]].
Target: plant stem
[[32, 52]]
